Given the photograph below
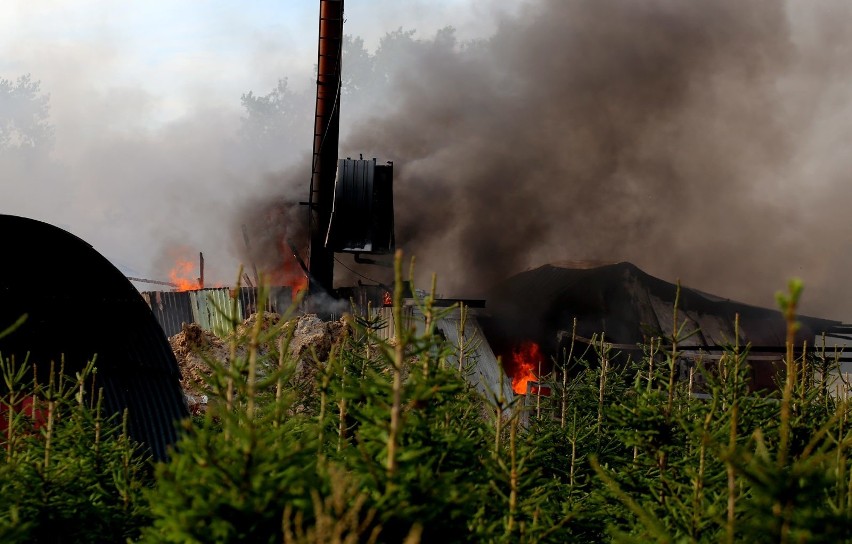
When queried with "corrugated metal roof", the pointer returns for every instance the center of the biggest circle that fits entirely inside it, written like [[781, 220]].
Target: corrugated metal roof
[[136, 366], [628, 306]]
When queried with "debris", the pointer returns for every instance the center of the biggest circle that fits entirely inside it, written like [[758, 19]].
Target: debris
[[197, 404], [312, 332], [194, 347], [313, 340], [190, 346], [268, 321]]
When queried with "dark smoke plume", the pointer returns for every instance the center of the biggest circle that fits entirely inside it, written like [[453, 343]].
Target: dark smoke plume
[[694, 139], [663, 133], [268, 231]]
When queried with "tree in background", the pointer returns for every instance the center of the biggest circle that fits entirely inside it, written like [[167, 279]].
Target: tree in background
[[24, 117], [278, 122], [278, 125]]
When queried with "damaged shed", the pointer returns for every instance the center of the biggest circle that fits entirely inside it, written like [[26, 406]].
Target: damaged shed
[[627, 307]]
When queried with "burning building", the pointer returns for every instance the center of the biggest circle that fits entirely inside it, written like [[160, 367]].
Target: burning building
[[532, 320], [349, 207]]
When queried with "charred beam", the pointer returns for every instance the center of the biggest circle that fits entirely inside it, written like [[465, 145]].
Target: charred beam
[[155, 282]]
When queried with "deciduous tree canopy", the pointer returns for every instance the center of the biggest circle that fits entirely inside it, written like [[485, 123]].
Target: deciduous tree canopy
[[24, 116]]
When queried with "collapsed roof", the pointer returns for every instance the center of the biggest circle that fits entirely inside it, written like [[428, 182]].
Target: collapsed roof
[[628, 306]]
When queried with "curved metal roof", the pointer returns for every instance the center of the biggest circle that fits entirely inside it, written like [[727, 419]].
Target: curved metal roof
[[628, 305], [79, 305]]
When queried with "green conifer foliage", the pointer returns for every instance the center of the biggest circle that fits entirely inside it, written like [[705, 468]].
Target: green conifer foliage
[[388, 442], [67, 474]]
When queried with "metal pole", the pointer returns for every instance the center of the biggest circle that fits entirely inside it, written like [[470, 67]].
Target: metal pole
[[155, 282], [201, 270]]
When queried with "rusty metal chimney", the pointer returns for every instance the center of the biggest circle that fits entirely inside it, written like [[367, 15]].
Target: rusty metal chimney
[[326, 136]]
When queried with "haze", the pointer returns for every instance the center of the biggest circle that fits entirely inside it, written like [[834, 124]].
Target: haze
[[702, 141]]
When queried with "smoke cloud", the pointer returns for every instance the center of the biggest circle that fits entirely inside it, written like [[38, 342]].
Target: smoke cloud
[[698, 140]]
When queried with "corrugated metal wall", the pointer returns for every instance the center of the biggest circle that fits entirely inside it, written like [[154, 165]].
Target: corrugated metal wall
[[211, 308], [482, 368], [172, 309]]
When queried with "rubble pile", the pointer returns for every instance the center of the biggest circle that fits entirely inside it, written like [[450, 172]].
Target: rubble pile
[[194, 346], [313, 332], [268, 321], [191, 346], [312, 336]]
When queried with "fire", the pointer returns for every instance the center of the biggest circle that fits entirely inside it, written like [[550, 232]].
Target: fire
[[289, 273], [525, 361], [297, 284], [181, 275]]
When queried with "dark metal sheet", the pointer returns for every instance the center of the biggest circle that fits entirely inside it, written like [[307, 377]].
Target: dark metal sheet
[[628, 307], [362, 212], [111, 322], [171, 309]]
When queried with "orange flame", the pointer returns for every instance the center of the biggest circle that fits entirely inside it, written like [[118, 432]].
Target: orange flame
[[181, 275], [525, 360], [297, 285], [289, 274]]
